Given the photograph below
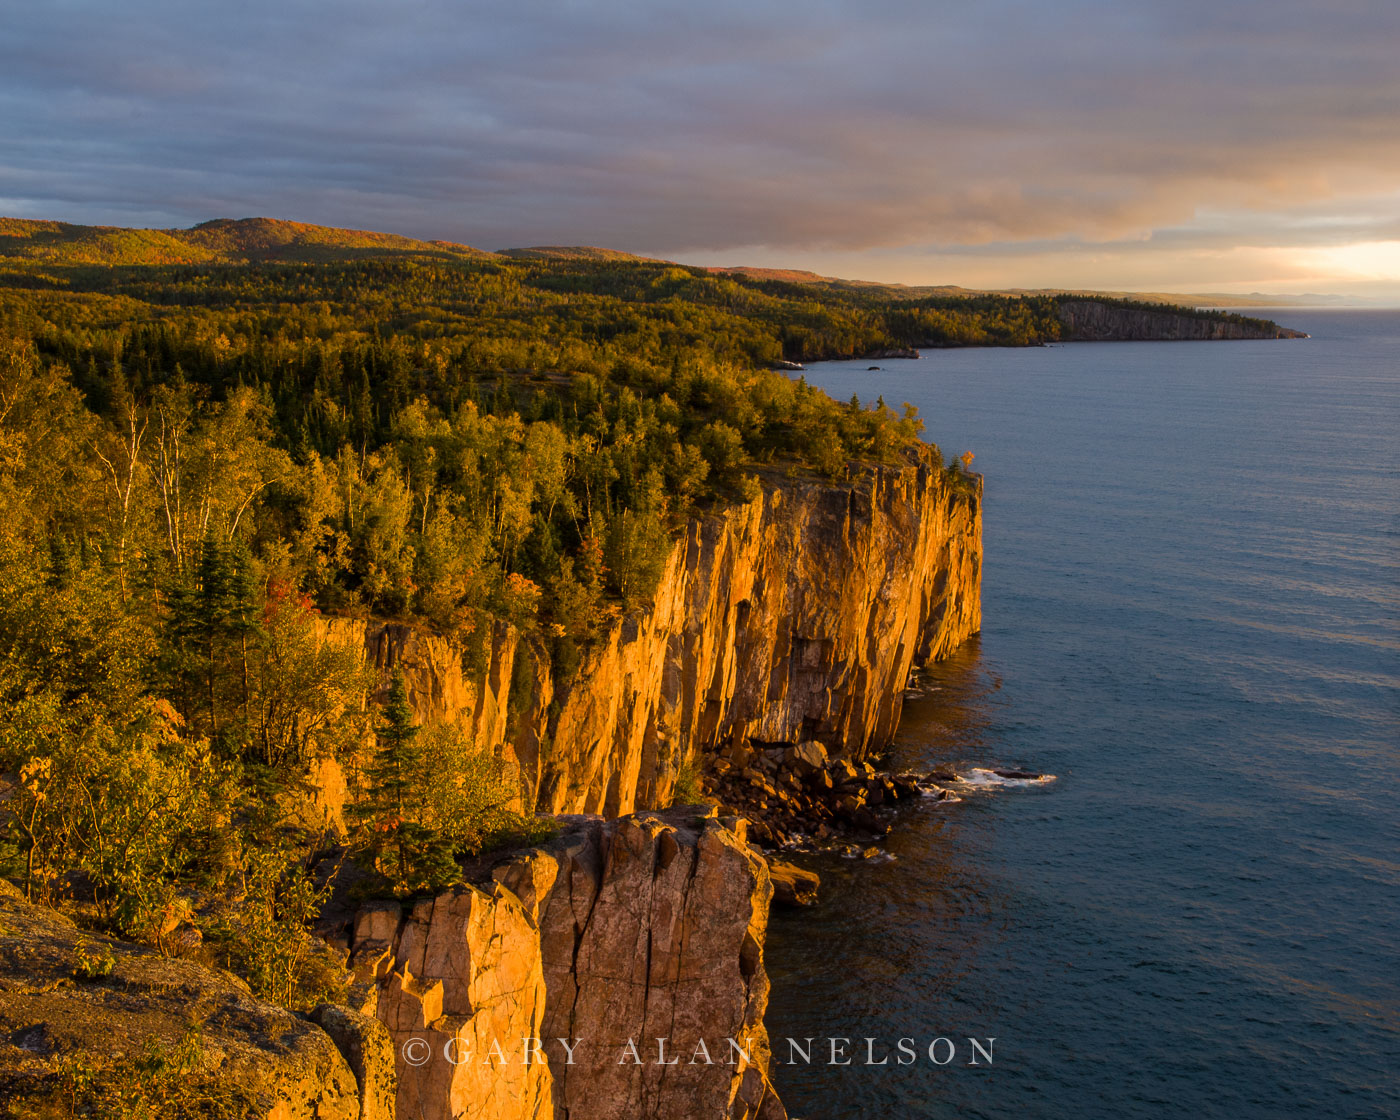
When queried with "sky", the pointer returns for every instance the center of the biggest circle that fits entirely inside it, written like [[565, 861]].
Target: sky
[[1192, 146]]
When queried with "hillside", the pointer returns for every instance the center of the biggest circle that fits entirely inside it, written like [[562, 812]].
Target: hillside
[[939, 291], [1096, 320], [210, 470], [222, 241], [263, 240], [596, 299], [574, 253]]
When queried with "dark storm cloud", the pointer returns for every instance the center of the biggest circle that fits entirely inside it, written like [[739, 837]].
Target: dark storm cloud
[[679, 127]]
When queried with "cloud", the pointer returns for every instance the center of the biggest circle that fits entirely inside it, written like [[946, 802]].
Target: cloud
[[674, 128]]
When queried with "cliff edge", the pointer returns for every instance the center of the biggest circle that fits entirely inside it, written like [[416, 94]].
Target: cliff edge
[[91, 1023], [794, 616], [797, 615]]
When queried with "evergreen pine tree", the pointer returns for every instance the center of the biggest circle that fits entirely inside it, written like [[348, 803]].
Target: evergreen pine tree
[[211, 624], [413, 856]]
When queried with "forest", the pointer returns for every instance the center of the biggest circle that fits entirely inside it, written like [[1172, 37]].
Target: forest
[[201, 459]]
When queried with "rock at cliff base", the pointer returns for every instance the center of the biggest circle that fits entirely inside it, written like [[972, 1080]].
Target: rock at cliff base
[[806, 757], [792, 885]]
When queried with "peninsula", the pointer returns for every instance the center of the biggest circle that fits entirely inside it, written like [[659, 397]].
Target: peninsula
[[407, 650]]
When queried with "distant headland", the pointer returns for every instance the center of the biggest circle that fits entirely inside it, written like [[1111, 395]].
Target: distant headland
[[773, 317]]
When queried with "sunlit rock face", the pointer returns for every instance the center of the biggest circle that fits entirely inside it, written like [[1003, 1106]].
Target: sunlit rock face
[[613, 936], [459, 974], [795, 616]]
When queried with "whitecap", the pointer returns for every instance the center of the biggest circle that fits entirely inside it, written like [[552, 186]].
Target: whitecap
[[979, 778]]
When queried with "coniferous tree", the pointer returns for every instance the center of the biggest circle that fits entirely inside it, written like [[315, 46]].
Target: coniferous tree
[[211, 623], [411, 855]]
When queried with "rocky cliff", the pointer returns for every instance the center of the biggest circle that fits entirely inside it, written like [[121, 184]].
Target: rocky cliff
[[797, 615], [615, 935], [615, 973], [1093, 321]]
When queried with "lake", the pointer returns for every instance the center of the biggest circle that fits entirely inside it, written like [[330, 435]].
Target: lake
[[1191, 618]]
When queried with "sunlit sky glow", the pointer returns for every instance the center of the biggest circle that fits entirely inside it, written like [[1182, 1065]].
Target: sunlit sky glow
[[1133, 145]]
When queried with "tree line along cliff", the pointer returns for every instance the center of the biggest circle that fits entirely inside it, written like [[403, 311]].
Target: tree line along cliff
[[1124, 321]]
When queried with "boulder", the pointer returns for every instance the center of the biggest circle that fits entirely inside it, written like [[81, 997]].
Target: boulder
[[805, 757], [849, 805], [793, 885], [905, 787]]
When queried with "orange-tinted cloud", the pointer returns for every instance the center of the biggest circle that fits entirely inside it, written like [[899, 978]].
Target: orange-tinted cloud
[[836, 128]]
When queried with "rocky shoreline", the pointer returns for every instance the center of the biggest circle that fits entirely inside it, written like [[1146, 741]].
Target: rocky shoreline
[[795, 794], [798, 798]]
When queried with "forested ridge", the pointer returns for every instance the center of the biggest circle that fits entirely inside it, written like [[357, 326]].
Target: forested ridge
[[209, 438]]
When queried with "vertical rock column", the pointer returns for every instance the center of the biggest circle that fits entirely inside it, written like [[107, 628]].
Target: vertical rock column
[[458, 975], [613, 936], [654, 930]]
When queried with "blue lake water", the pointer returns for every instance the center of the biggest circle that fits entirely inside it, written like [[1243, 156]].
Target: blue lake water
[[1191, 609]]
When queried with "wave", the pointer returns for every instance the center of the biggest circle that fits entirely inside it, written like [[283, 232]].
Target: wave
[[979, 778]]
